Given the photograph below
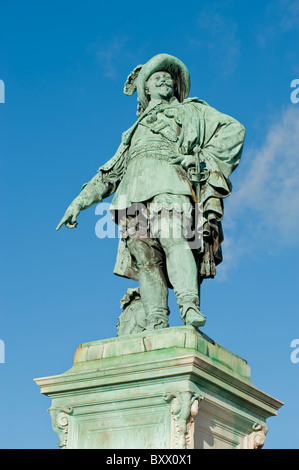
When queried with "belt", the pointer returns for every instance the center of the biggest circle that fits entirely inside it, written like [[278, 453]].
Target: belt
[[158, 150]]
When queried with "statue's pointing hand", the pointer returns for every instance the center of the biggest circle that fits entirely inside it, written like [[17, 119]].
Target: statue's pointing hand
[[70, 217]]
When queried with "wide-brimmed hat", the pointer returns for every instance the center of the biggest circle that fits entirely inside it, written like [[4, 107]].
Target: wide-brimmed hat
[[161, 62]]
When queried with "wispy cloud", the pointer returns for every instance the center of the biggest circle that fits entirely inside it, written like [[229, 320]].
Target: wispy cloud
[[289, 14], [270, 187], [217, 34], [109, 54], [263, 210], [279, 17], [115, 51]]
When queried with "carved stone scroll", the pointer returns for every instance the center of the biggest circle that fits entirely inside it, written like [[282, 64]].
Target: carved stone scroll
[[184, 408], [257, 438], [60, 423]]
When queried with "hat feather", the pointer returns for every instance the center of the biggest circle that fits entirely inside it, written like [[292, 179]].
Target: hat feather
[[130, 85]]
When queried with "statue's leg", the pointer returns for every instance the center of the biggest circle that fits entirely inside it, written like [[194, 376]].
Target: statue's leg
[[149, 258], [181, 266]]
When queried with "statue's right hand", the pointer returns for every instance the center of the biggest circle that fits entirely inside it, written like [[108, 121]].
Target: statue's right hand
[[70, 217]]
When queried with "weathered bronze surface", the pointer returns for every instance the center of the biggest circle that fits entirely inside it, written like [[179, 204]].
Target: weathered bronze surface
[[169, 177]]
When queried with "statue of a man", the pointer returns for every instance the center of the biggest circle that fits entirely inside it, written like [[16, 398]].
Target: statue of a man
[[177, 156]]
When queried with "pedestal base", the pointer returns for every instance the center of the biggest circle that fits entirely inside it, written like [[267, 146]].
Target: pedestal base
[[171, 389]]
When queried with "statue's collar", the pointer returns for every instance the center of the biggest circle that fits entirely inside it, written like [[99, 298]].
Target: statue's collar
[[156, 103], [126, 137]]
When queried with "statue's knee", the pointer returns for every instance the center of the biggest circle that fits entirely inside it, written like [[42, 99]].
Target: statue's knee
[[144, 253]]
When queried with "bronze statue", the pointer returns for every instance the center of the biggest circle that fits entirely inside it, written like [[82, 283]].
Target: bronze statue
[[175, 160]]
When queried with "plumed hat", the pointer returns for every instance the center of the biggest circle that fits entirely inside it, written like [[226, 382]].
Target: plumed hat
[[161, 62]]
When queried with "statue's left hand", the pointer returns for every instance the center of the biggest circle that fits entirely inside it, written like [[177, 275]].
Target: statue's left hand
[[70, 217], [184, 160]]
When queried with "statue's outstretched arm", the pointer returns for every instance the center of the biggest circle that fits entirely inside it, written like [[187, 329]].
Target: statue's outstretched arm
[[92, 193]]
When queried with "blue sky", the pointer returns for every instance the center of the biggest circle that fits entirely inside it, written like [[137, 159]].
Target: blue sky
[[64, 64]]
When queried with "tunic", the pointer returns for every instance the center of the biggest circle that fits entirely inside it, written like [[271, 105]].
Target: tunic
[[183, 127], [149, 169]]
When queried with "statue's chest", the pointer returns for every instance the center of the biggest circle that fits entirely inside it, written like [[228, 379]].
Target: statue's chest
[[157, 126]]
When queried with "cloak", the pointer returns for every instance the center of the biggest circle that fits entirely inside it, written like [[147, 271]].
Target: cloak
[[217, 139]]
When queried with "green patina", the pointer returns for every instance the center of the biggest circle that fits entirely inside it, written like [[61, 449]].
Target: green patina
[[169, 177], [145, 390]]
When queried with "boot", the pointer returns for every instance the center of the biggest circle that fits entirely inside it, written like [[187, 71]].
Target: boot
[[191, 315], [154, 297]]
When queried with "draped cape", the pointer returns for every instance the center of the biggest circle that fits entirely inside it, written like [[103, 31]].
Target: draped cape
[[217, 139]]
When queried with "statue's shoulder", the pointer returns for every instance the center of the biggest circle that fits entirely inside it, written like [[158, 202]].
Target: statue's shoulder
[[205, 109], [195, 107], [195, 102]]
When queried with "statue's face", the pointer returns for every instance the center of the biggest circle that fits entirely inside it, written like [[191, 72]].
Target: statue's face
[[160, 85]]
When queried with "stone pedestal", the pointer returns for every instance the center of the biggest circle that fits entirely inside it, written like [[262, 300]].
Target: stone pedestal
[[171, 389]]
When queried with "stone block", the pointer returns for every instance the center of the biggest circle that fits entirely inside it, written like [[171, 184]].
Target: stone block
[[170, 389]]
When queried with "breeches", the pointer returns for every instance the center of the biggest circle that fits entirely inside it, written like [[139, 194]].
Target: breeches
[[163, 257]]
